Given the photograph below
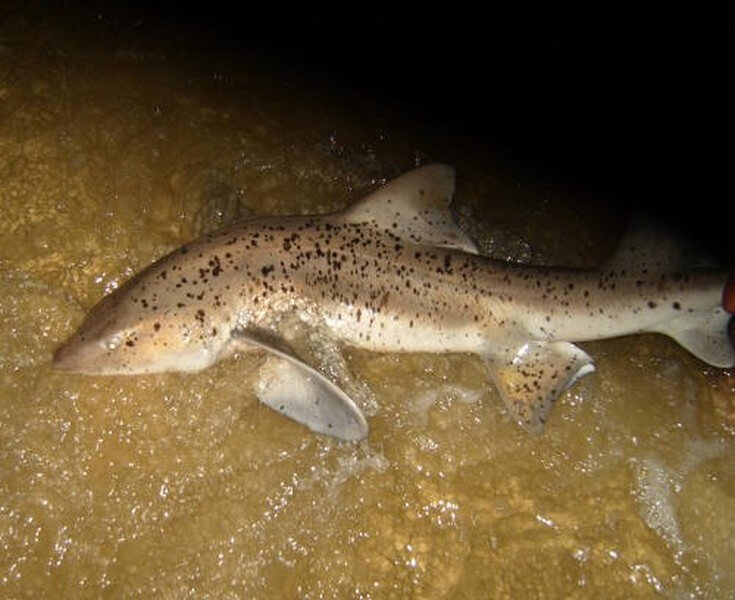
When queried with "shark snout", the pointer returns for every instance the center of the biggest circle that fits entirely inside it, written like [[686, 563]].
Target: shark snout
[[72, 356], [84, 353]]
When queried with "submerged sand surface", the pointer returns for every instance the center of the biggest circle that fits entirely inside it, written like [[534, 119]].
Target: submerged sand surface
[[115, 149]]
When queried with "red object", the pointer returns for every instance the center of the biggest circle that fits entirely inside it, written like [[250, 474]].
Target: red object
[[728, 295]]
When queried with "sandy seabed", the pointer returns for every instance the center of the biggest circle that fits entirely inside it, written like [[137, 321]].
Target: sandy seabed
[[115, 149]]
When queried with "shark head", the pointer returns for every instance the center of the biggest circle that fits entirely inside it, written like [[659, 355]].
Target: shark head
[[125, 334]]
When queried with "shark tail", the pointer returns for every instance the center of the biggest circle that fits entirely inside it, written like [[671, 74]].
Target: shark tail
[[705, 332], [706, 335]]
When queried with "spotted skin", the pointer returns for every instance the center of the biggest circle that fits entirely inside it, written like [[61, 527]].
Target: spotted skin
[[394, 274]]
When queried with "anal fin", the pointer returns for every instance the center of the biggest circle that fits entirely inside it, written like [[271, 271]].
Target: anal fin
[[533, 375]]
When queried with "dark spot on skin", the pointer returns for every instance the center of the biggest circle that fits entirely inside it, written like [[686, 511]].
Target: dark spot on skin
[[156, 326], [130, 343], [651, 304], [676, 306], [266, 270]]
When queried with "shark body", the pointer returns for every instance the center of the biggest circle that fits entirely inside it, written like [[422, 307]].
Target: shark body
[[392, 273]]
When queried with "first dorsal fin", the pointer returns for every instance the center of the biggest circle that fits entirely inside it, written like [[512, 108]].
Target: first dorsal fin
[[415, 207]]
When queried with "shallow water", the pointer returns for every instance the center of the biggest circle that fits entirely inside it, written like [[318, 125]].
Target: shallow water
[[115, 150]]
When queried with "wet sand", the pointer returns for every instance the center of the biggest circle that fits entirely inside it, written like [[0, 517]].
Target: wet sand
[[115, 148]]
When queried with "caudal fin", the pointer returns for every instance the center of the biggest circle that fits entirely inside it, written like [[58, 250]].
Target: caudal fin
[[704, 334], [650, 249]]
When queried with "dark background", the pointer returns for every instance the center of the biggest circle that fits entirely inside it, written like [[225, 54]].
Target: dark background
[[634, 108]]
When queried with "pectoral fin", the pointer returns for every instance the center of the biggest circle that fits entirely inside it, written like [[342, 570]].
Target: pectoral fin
[[295, 389], [533, 375]]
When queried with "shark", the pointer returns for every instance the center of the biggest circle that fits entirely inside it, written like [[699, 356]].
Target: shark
[[393, 272]]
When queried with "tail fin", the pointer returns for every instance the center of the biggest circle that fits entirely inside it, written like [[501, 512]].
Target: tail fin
[[648, 247], [704, 334]]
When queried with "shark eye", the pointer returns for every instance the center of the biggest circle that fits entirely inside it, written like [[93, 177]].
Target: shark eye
[[112, 342]]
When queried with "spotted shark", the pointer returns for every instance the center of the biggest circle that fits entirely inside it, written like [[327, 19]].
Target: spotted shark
[[392, 273]]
